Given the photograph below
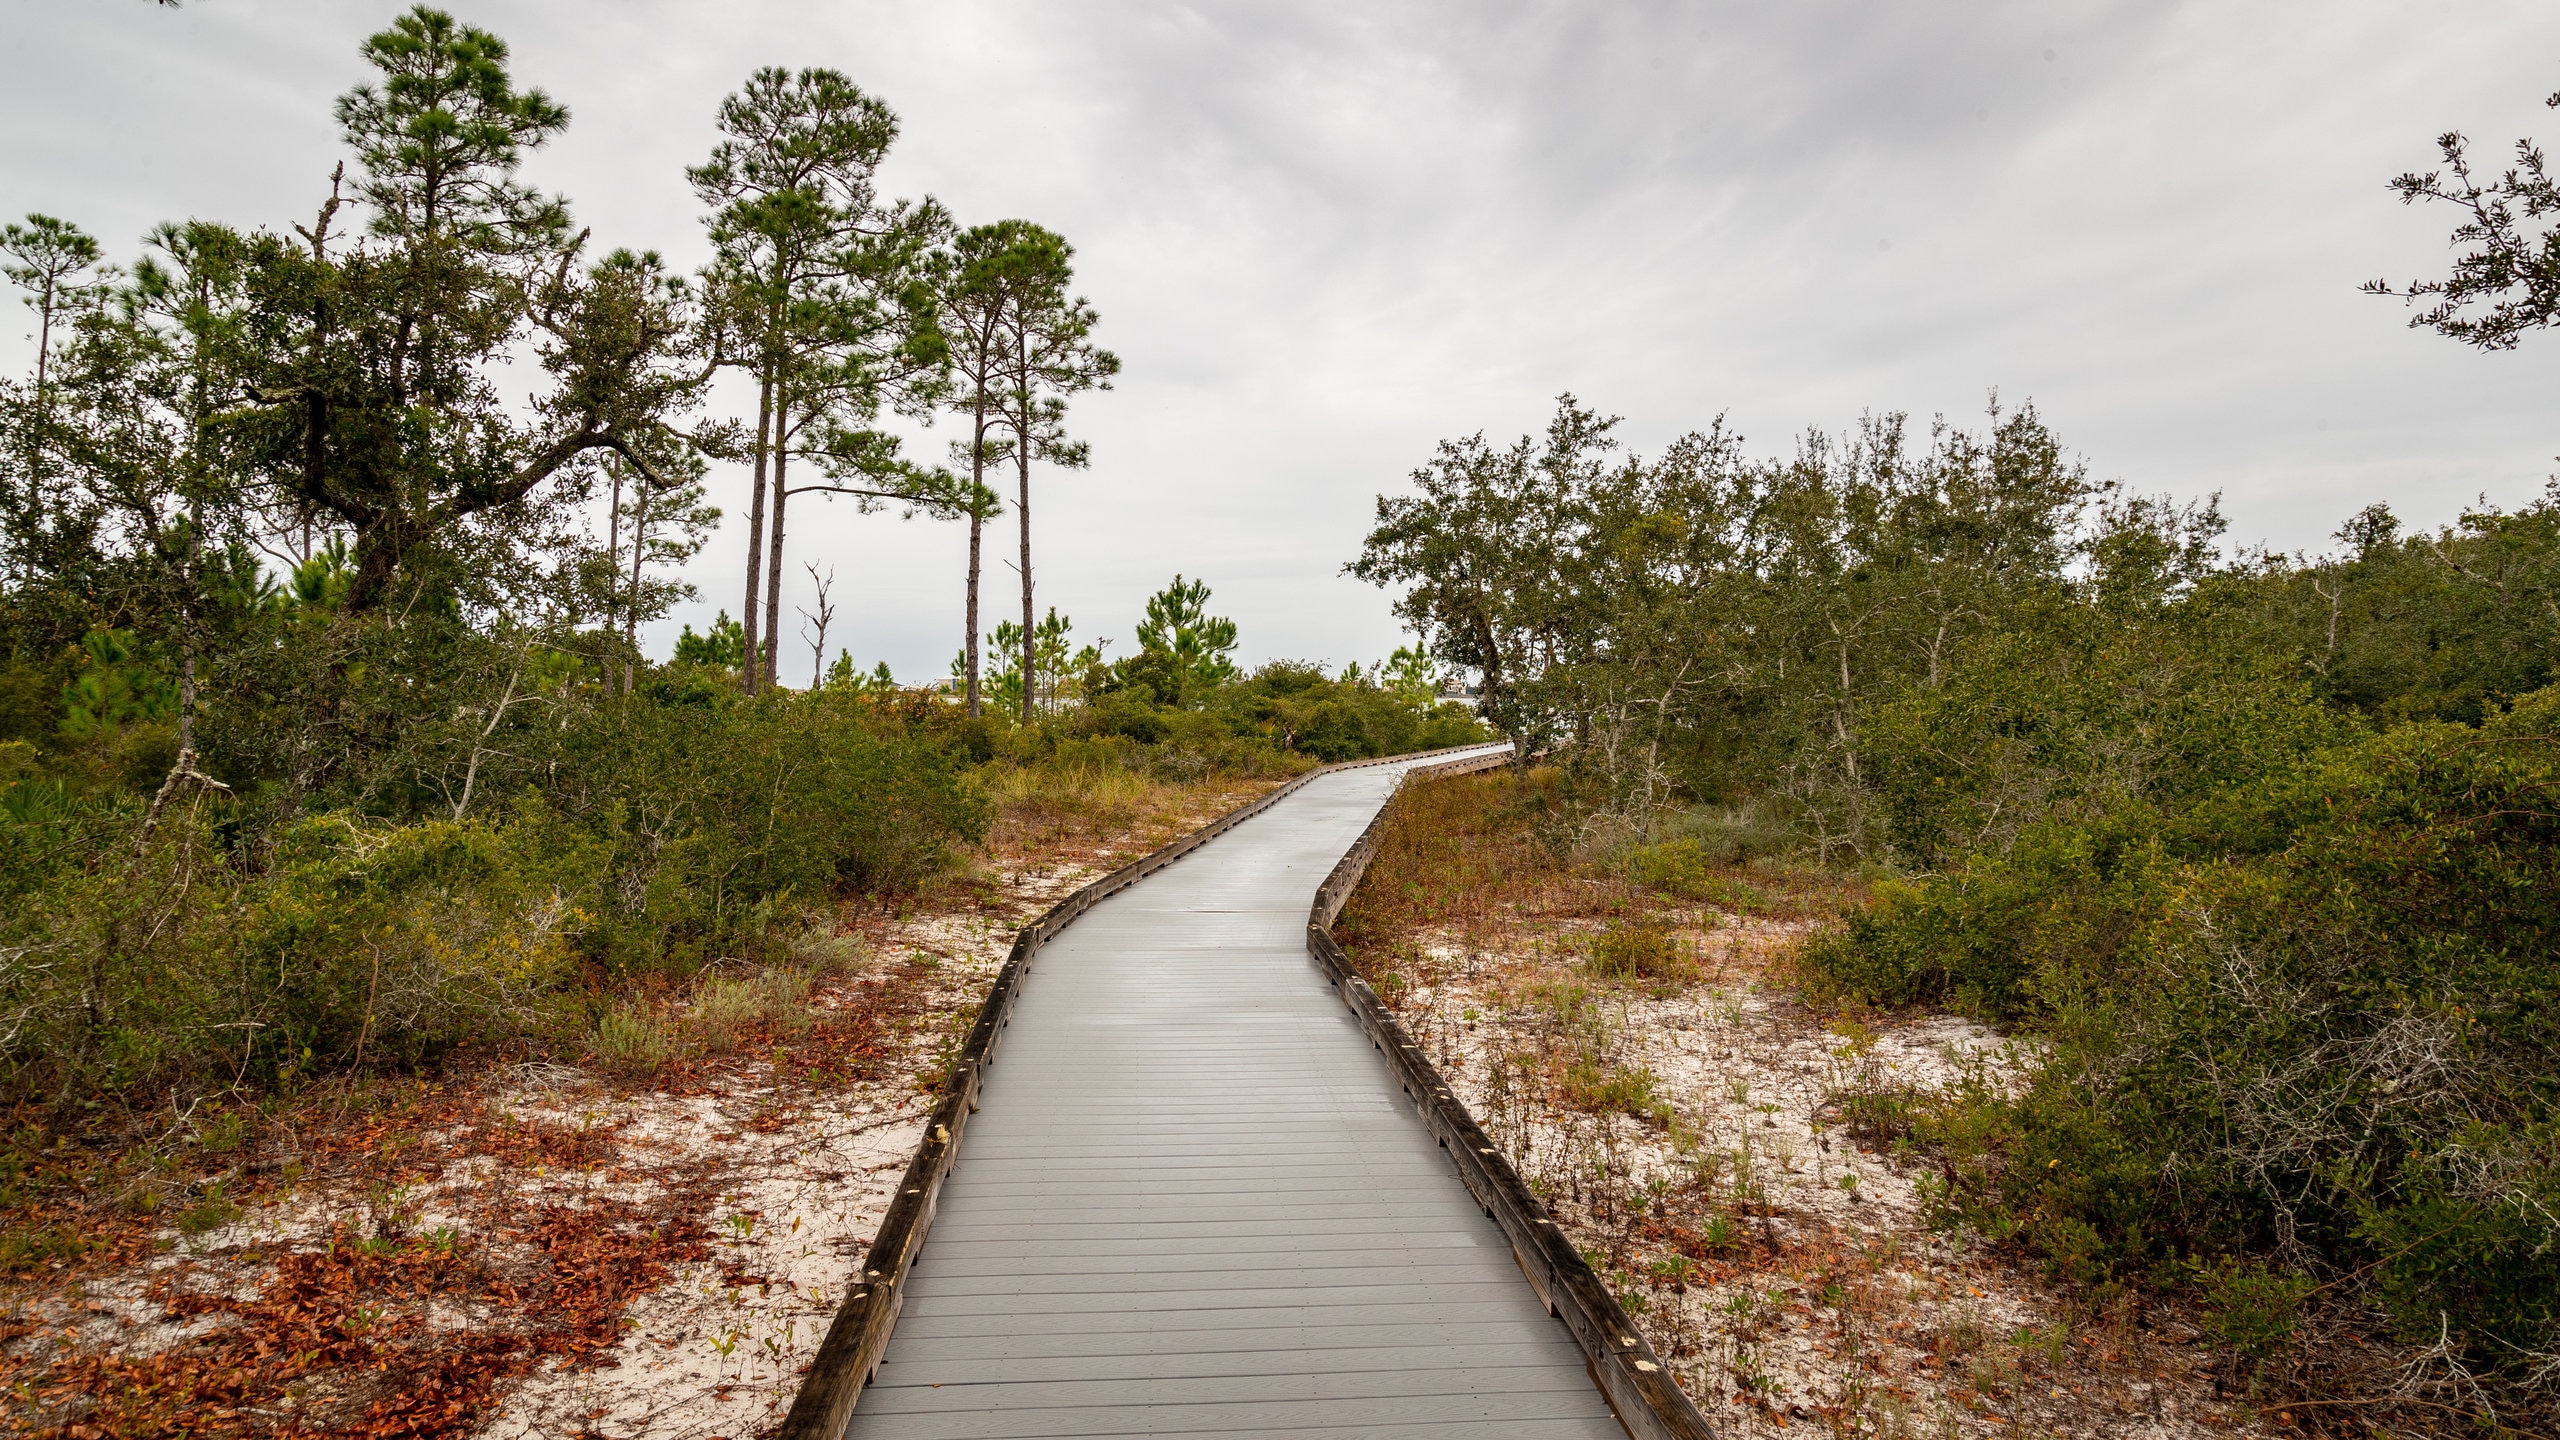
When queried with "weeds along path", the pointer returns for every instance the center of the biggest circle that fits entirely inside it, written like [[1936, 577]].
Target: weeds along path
[[1196, 1201]]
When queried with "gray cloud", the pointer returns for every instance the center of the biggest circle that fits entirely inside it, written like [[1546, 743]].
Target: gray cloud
[[1323, 236]]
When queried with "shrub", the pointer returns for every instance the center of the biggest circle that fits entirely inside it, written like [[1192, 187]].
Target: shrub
[[393, 943], [1613, 1089], [1729, 835], [2319, 1015], [361, 942], [827, 952], [710, 817], [210, 1213], [1286, 706], [1640, 951], [2250, 1310], [1683, 868]]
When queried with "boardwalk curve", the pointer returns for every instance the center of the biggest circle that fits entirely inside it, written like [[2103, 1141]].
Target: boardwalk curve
[[1194, 1198]]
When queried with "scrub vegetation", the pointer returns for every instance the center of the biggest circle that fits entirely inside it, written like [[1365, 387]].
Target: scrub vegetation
[[2253, 854]]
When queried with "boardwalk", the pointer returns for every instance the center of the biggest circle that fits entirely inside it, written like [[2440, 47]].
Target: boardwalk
[[1194, 1202]]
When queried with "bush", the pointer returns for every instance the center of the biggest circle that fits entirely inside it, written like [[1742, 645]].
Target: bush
[[1641, 951], [360, 943], [711, 816], [724, 1010], [1683, 868], [2250, 1310], [667, 835], [2329, 1031], [1285, 706], [1610, 1089], [1726, 836]]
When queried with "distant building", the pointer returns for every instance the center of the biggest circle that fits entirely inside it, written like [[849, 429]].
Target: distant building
[[1456, 691]]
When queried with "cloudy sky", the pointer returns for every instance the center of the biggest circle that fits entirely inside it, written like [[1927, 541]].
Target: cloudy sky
[[1324, 235]]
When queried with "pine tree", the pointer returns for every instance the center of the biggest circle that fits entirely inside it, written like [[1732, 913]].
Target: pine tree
[[387, 363], [824, 283], [1048, 355], [1019, 345]]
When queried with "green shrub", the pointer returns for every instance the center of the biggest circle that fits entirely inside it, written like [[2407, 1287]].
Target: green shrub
[[709, 817], [1640, 950], [1684, 868], [1285, 706], [827, 952], [2319, 1014], [2008, 937], [1612, 1089], [666, 835], [1726, 836], [2250, 1310], [32, 1247], [360, 942], [209, 1213]]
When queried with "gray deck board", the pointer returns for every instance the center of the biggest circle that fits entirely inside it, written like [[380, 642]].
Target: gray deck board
[[1194, 1200]]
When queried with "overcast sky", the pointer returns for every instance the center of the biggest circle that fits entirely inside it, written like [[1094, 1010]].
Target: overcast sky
[[1322, 236]]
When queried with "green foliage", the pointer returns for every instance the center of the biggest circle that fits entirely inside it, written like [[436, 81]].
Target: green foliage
[[359, 943], [429, 797], [1297, 707], [111, 688], [1611, 1089], [1195, 700], [1685, 868], [209, 1213], [726, 1010], [1184, 652], [1052, 646], [668, 833], [725, 648], [1409, 672], [2250, 1310], [1641, 950], [630, 1042], [707, 811], [2319, 1012], [30, 1247]]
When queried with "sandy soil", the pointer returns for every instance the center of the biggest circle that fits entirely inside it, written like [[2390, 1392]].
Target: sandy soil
[[1687, 1136]]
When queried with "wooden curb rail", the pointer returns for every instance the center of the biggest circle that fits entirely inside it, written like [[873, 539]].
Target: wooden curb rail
[[1639, 1389], [859, 1335]]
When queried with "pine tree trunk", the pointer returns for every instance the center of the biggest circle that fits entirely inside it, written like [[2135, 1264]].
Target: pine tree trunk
[[631, 612], [773, 560], [613, 564], [1030, 641], [755, 534], [977, 528], [187, 619]]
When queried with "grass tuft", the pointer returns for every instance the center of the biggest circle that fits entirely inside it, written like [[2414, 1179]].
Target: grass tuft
[[629, 1041]]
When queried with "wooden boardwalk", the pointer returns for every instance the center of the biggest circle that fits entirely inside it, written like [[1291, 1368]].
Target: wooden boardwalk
[[1195, 1202]]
